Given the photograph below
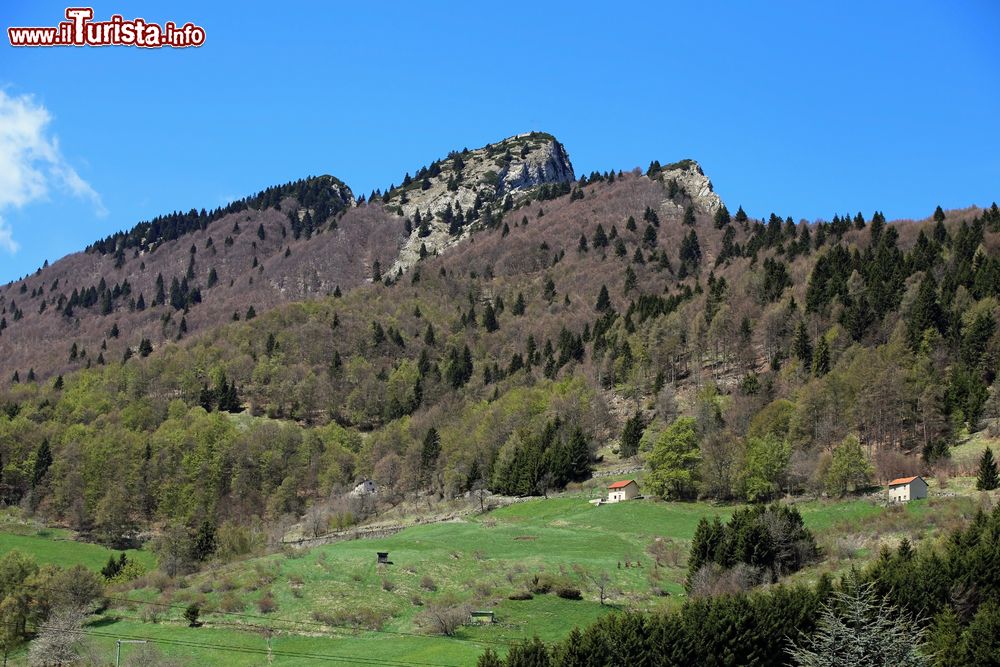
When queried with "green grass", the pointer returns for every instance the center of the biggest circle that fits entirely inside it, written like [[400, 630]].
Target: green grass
[[480, 561], [56, 547]]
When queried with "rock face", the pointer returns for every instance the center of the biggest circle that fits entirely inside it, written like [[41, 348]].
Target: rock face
[[692, 181], [454, 194]]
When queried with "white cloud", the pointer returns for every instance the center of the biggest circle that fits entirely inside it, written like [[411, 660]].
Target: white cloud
[[31, 163], [7, 241]]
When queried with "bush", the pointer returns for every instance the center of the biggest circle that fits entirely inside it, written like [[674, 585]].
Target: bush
[[230, 602], [191, 615], [355, 617], [161, 581], [521, 595], [541, 584], [569, 594], [443, 618], [388, 585], [266, 603], [428, 584]]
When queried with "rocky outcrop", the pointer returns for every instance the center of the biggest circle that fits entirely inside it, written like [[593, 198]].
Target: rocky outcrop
[[453, 194], [694, 186]]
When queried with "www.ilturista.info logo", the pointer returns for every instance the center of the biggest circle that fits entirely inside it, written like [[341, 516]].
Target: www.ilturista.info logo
[[81, 30]]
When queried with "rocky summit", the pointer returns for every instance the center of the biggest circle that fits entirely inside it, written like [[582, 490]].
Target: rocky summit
[[460, 187]]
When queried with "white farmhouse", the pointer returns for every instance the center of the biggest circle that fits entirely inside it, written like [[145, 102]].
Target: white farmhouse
[[905, 489], [624, 490]]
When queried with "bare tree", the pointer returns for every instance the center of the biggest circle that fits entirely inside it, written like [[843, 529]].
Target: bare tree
[[601, 581], [444, 617], [59, 638], [480, 493]]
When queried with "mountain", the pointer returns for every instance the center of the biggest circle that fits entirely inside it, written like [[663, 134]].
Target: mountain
[[442, 198], [770, 355], [301, 240]]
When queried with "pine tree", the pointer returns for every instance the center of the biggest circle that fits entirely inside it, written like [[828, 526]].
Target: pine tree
[[802, 346], [630, 279], [689, 218], [550, 290], [721, 218], [519, 305], [649, 237], [430, 450], [43, 459], [821, 358], [490, 318], [987, 478], [631, 434], [603, 300], [600, 237]]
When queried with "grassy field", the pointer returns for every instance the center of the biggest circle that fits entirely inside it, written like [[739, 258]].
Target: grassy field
[[56, 546], [336, 601]]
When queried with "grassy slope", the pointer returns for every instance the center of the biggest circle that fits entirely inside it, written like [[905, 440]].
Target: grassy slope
[[57, 547], [482, 561]]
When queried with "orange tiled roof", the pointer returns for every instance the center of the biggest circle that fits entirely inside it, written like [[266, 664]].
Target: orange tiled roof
[[903, 480], [622, 484]]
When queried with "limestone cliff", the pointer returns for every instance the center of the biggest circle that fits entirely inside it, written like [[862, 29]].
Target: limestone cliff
[[446, 199]]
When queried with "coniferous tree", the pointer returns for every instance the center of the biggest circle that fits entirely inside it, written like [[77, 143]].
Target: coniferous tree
[[430, 450], [631, 434], [603, 300], [519, 304], [802, 346], [490, 318], [721, 217], [549, 292], [630, 279], [43, 459], [821, 358], [988, 478], [649, 237], [600, 237], [689, 218]]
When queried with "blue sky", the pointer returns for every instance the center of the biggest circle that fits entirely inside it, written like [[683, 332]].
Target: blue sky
[[806, 109]]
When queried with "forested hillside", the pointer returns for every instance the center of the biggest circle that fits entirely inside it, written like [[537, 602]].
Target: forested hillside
[[743, 358]]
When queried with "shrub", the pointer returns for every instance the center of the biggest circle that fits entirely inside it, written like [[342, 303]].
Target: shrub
[[443, 617], [521, 595], [161, 582], [428, 584], [191, 615], [266, 603], [569, 594], [388, 585], [541, 584], [231, 602]]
